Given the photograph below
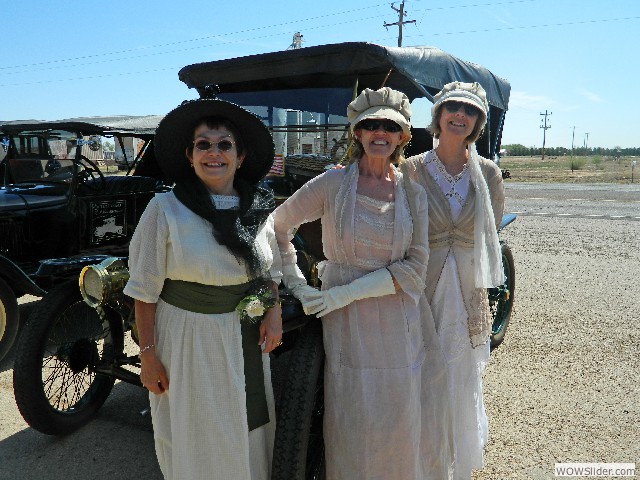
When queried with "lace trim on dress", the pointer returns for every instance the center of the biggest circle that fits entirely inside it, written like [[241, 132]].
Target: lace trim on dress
[[381, 224], [451, 180], [381, 205], [367, 242]]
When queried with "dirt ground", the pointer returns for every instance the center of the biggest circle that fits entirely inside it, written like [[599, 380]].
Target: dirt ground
[[563, 387]]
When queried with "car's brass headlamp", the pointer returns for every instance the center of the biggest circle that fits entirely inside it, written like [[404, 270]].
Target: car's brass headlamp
[[104, 282]]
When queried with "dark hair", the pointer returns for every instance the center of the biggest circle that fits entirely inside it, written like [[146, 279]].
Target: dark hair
[[217, 122], [235, 229], [434, 126]]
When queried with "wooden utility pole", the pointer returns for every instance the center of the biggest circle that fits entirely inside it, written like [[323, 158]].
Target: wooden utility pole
[[400, 22], [545, 127]]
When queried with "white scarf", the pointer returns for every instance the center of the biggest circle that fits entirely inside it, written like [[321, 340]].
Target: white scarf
[[488, 268]]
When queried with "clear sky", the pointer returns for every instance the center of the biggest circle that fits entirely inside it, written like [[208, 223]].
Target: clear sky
[[578, 59]]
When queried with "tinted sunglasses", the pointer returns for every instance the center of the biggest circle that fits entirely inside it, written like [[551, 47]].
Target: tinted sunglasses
[[373, 124], [453, 107], [205, 145]]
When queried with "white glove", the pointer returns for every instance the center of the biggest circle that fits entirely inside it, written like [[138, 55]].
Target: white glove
[[375, 284]]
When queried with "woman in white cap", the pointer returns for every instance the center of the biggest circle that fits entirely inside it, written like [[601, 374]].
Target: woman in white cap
[[466, 201], [204, 267], [386, 416]]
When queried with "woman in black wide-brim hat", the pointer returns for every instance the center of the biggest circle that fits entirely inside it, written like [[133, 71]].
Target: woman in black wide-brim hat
[[204, 267]]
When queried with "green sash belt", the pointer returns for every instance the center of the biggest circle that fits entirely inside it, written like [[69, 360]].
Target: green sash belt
[[199, 298]]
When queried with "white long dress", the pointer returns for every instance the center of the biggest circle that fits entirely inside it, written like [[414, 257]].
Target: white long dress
[[200, 423], [465, 364], [386, 407]]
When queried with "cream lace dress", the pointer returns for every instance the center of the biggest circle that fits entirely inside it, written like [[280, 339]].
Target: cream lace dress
[[200, 423], [464, 363], [386, 404]]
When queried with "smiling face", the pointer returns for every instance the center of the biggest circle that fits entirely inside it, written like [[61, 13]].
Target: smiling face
[[457, 122], [214, 167], [379, 143]]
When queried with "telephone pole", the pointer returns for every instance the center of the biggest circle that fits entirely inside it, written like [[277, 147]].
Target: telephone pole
[[586, 140], [400, 22], [545, 127]]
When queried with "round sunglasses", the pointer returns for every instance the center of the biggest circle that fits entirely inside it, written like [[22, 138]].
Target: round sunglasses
[[374, 124], [205, 145], [452, 107]]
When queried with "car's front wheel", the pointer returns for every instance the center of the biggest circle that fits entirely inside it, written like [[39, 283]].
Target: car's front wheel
[[9, 318], [64, 341], [501, 298]]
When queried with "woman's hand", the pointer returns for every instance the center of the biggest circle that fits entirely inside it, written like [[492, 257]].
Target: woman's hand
[[152, 373], [271, 329]]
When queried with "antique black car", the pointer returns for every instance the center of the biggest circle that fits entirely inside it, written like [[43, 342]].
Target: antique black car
[[62, 205], [71, 352]]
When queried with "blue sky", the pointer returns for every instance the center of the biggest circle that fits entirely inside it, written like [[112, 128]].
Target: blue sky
[[576, 59]]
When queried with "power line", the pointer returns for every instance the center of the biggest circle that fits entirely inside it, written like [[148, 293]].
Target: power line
[[239, 32], [545, 25], [270, 27], [401, 21], [228, 42]]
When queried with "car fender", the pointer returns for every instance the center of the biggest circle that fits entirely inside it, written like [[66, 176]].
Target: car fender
[[18, 279]]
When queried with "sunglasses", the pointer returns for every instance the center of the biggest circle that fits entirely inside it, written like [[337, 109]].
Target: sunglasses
[[372, 125], [453, 107], [205, 145]]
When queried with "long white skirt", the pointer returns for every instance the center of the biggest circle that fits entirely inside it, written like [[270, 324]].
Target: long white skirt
[[465, 366], [200, 423]]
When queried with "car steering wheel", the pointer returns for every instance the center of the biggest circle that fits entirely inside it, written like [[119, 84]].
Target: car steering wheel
[[91, 176]]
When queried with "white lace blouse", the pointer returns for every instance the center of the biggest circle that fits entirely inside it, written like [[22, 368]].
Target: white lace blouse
[[454, 187]]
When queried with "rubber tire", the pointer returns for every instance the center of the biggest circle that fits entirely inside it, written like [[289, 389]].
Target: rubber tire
[[299, 448], [505, 305], [51, 325], [9, 318]]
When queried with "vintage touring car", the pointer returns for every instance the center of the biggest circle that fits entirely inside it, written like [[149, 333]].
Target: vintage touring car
[[60, 209]]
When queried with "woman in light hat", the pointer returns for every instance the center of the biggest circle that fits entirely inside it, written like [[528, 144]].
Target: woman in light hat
[[204, 267], [466, 201], [385, 412]]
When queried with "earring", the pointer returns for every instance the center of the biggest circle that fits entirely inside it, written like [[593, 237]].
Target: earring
[[191, 164]]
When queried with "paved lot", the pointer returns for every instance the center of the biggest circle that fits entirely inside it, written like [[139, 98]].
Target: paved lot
[[562, 388]]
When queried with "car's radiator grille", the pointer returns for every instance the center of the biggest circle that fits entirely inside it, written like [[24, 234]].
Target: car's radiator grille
[[12, 239]]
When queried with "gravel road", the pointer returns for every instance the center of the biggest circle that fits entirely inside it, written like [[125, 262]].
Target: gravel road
[[563, 387]]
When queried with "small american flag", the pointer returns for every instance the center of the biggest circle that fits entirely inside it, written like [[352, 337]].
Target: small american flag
[[278, 165]]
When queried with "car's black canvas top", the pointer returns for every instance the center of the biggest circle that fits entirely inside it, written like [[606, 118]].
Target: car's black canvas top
[[145, 124], [336, 65]]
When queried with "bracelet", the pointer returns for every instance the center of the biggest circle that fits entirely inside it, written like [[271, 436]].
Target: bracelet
[[142, 350]]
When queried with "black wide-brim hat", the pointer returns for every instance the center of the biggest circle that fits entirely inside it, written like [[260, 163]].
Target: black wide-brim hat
[[175, 133]]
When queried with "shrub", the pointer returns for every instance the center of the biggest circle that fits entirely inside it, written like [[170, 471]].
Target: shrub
[[576, 163], [597, 161]]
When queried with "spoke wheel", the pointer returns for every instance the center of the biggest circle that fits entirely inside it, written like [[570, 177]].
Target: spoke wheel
[[501, 298], [55, 382], [9, 318]]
